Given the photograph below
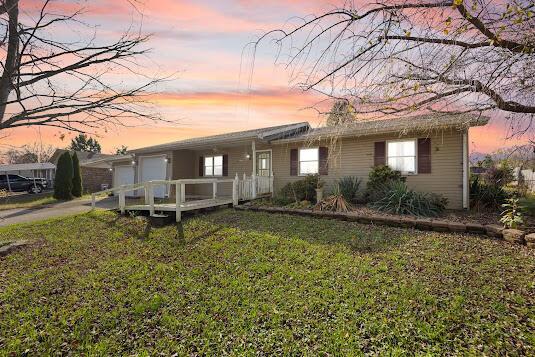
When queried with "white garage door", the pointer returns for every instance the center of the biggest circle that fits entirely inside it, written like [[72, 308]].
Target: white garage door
[[123, 175], [154, 168]]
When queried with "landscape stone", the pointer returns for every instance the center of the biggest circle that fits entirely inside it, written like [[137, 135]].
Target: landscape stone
[[440, 226], [475, 228], [457, 227], [530, 238], [494, 230], [513, 235]]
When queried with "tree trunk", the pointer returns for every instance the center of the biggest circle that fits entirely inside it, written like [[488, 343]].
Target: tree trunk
[[6, 82]]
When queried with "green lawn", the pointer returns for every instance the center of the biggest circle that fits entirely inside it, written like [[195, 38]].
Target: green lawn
[[254, 283]]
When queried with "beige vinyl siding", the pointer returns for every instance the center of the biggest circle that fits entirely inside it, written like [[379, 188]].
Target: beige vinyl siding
[[237, 164], [354, 157]]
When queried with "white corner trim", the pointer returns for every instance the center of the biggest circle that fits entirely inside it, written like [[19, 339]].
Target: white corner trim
[[466, 168]]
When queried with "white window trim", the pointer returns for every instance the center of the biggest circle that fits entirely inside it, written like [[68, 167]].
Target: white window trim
[[299, 161], [213, 166], [415, 140]]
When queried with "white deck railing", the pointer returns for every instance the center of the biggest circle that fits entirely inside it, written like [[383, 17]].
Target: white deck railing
[[246, 189], [252, 186]]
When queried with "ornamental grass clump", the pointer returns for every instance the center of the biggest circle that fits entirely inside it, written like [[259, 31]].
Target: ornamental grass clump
[[397, 198], [349, 188]]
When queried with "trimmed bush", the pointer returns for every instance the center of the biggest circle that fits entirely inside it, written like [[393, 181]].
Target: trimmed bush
[[301, 190], [349, 188], [63, 179], [77, 177], [380, 177], [397, 198]]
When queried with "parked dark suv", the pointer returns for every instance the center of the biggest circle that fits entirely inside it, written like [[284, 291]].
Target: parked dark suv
[[19, 183]]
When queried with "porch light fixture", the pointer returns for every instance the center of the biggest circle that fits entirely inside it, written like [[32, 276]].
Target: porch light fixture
[[133, 162], [166, 160], [247, 156], [110, 169]]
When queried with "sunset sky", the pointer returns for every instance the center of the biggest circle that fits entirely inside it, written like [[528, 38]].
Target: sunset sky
[[203, 45]]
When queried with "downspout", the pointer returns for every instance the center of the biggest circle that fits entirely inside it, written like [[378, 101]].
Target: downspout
[[466, 168]]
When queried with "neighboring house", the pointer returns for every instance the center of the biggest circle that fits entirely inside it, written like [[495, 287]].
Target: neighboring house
[[96, 170], [431, 151], [528, 176]]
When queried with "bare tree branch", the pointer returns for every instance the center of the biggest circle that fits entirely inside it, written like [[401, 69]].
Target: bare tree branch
[[48, 81]]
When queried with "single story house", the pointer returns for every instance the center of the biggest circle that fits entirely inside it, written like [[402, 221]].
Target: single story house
[[430, 150]]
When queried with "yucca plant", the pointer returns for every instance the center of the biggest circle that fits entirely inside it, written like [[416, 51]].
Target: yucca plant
[[349, 187], [397, 198], [334, 202], [512, 213]]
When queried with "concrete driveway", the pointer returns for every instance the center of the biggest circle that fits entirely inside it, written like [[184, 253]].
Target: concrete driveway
[[20, 215]]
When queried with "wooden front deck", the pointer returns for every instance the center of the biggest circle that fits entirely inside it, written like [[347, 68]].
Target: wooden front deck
[[246, 189]]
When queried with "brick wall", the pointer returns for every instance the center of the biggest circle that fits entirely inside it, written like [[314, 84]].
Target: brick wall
[[92, 178]]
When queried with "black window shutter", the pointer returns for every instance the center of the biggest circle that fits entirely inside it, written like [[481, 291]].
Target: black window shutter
[[323, 162], [379, 153], [293, 162], [201, 166], [424, 156], [225, 165]]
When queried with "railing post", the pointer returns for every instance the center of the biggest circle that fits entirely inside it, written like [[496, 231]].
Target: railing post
[[235, 191], [93, 201], [122, 200], [214, 189], [253, 178], [146, 188], [178, 201], [183, 192], [151, 199], [271, 185]]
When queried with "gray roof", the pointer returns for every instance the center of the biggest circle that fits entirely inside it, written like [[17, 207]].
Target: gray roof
[[401, 125], [83, 156], [264, 134]]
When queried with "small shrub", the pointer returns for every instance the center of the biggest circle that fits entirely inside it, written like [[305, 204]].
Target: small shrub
[[512, 214], [349, 188], [379, 178], [63, 179], [486, 197], [280, 200], [301, 190], [77, 177], [397, 198]]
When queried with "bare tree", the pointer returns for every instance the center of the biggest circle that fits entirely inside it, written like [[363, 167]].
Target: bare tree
[[30, 153], [395, 57], [50, 81]]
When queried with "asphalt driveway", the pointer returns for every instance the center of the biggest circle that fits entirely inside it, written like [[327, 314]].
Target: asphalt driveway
[[20, 215]]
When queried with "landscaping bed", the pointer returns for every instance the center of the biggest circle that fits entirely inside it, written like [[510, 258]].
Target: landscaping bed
[[235, 282]]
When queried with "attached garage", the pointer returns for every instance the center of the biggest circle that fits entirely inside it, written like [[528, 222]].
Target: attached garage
[[154, 168], [123, 175]]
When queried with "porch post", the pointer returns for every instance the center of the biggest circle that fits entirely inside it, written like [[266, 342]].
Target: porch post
[[253, 176], [178, 201]]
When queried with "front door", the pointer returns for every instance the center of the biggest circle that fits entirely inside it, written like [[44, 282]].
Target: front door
[[263, 163]]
